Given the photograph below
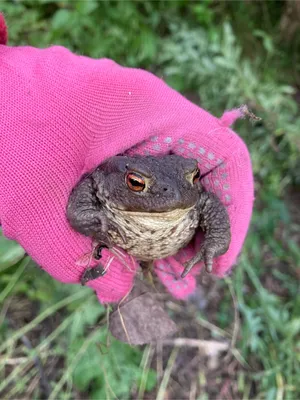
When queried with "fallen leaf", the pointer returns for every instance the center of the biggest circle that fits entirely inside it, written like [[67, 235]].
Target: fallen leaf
[[140, 318]]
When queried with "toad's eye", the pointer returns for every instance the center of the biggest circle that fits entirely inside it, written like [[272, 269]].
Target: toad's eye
[[135, 182], [196, 176]]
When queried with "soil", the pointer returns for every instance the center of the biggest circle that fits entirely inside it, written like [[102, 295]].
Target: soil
[[194, 371], [218, 371]]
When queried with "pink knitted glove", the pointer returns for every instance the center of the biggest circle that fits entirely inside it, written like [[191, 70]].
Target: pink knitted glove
[[224, 161], [63, 114]]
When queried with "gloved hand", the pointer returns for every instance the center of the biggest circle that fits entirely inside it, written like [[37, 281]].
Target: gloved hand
[[61, 115]]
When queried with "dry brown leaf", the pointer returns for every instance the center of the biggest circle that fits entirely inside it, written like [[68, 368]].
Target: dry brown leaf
[[140, 318]]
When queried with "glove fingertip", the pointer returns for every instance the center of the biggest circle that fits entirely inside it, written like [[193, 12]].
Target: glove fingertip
[[169, 272]]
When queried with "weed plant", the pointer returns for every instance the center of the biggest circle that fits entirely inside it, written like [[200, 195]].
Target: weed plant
[[221, 55]]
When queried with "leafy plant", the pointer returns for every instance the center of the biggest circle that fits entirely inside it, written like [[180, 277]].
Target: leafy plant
[[212, 64], [224, 54]]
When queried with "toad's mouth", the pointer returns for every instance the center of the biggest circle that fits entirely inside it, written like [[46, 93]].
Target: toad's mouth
[[172, 215]]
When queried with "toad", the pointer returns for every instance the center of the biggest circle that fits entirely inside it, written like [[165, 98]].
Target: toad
[[151, 207]]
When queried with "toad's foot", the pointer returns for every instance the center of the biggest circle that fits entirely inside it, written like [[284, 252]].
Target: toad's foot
[[209, 250], [92, 273]]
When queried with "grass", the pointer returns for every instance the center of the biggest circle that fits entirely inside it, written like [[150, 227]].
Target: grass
[[53, 337]]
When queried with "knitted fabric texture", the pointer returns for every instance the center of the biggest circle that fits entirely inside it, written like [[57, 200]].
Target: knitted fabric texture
[[61, 115]]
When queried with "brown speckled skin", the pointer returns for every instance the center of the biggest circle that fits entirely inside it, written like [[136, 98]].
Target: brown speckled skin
[[156, 222]]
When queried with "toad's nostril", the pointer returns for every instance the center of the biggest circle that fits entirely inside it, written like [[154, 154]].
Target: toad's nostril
[[165, 189]]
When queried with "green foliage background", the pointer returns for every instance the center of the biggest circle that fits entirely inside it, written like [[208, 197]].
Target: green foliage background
[[220, 54]]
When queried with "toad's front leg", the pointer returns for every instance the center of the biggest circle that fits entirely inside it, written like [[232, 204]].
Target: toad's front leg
[[214, 221], [87, 215]]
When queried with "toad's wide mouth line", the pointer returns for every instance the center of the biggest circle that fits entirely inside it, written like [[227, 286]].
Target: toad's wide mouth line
[[173, 214]]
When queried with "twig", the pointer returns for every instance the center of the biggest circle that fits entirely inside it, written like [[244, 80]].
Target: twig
[[122, 258], [212, 327], [118, 253], [236, 326], [145, 364], [209, 347], [122, 319], [247, 113], [13, 361], [167, 374], [107, 326], [193, 391], [109, 261], [32, 385], [159, 360]]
